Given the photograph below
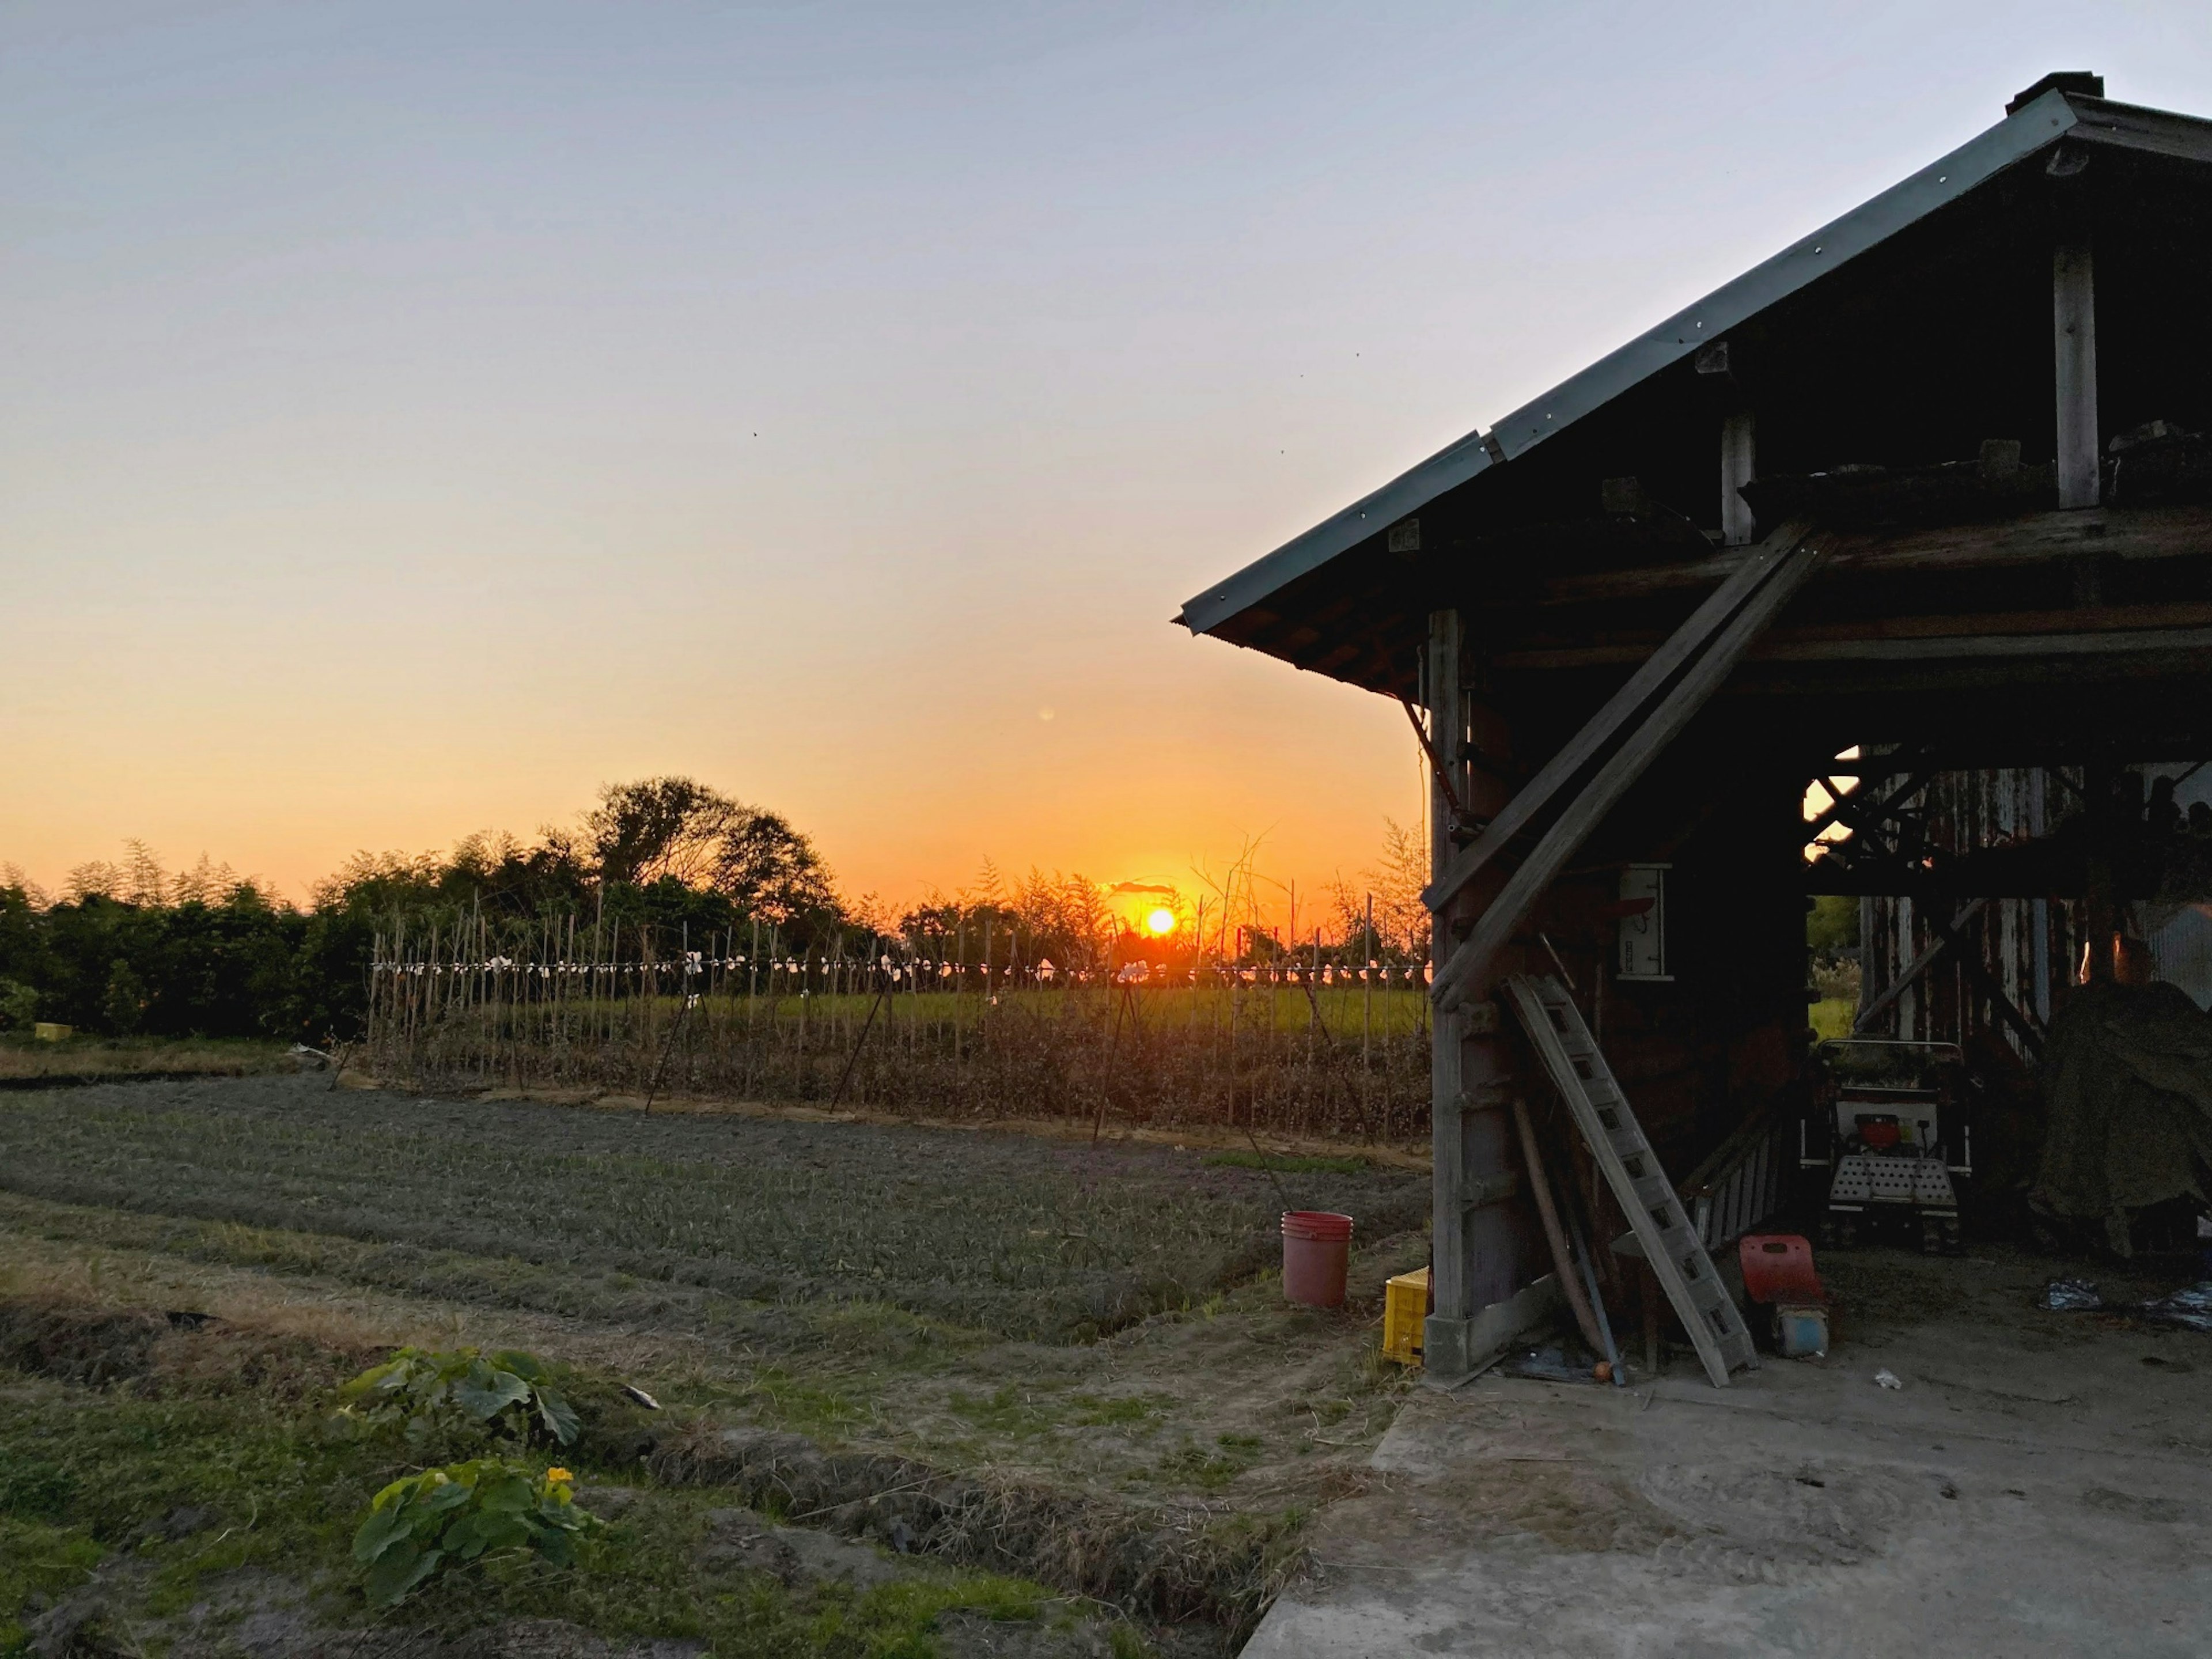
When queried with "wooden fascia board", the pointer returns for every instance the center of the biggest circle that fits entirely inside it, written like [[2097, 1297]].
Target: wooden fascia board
[[2153, 131]]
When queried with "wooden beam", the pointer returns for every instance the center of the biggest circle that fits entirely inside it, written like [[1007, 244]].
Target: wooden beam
[[2095, 619], [2189, 642], [1460, 977], [1658, 668], [2122, 629], [2031, 1037], [2074, 341], [1860, 814], [2125, 534], [1738, 466]]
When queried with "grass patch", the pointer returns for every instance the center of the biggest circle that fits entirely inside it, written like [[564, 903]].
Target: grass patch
[[39, 1562], [174, 1487]]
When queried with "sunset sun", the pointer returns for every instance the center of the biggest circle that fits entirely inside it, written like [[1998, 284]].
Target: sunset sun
[[1160, 922]]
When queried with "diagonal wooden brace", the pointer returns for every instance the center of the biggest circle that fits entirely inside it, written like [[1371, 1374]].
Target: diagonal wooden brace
[[1623, 706], [1862, 816], [1945, 938], [1586, 810], [1953, 940]]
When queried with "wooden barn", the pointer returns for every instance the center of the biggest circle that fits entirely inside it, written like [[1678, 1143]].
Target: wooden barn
[[1919, 505]]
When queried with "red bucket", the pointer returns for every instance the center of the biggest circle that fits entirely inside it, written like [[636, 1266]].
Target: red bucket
[[1316, 1250]]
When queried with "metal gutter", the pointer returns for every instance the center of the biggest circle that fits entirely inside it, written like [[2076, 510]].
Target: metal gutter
[[2031, 128]]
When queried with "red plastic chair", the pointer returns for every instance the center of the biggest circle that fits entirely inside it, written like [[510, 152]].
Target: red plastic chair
[[1777, 1268]]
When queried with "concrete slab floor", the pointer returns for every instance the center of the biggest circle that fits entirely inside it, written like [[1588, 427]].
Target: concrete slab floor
[[2038, 1486]]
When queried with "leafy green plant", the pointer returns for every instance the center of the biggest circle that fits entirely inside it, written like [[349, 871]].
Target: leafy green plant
[[507, 1391], [19, 1005], [460, 1513]]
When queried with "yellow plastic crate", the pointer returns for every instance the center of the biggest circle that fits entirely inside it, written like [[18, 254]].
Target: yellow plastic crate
[[45, 1030], [1405, 1307]]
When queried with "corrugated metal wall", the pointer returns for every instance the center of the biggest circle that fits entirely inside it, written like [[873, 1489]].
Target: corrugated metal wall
[[2181, 940], [2029, 944]]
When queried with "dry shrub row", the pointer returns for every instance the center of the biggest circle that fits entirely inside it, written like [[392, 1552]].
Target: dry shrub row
[[1280, 1058]]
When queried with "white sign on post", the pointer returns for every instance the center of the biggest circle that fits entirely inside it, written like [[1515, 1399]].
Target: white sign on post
[[1644, 923]]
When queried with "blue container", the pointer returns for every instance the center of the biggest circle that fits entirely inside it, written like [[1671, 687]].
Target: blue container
[[1801, 1332]]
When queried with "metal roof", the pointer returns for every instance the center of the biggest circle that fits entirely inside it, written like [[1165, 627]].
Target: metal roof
[[2033, 126]]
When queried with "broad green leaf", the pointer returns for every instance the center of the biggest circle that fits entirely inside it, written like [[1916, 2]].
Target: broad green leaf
[[450, 1496], [484, 1393], [379, 1533], [385, 1498], [399, 1572], [558, 1416], [464, 1539], [509, 1495], [527, 1366], [388, 1375]]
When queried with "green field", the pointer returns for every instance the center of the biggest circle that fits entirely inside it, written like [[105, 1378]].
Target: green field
[[1080, 1353]]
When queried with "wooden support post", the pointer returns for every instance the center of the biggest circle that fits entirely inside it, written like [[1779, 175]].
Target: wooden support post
[[2074, 336], [1482, 1265], [1738, 468], [1444, 1336]]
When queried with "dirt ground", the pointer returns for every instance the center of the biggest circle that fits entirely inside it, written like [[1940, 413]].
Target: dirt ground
[[2036, 1484], [1102, 1324]]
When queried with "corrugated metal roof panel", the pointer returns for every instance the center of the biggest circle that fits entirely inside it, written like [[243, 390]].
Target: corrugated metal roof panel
[[2034, 126]]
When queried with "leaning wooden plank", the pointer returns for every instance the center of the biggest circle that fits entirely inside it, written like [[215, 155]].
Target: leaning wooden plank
[[1640, 686], [1627, 763], [2031, 1038]]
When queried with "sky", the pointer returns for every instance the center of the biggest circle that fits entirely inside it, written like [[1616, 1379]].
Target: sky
[[414, 416]]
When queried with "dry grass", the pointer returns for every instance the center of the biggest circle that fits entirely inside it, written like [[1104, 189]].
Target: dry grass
[[85, 1059], [1338, 1062]]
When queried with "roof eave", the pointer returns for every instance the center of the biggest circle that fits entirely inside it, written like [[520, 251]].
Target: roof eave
[[2032, 127]]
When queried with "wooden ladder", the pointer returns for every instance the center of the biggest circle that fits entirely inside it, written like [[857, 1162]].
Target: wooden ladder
[[1655, 1214]]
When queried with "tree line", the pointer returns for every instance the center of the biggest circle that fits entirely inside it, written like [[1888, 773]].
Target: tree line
[[129, 949], [660, 865]]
